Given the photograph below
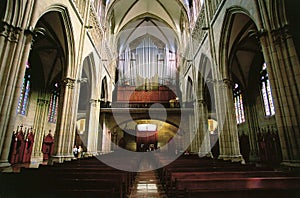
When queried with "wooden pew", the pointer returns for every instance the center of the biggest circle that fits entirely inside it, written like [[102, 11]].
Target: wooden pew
[[80, 178], [221, 174], [184, 186]]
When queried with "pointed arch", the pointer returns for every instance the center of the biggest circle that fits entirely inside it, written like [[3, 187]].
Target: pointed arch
[[189, 90], [93, 76], [226, 33], [205, 87], [104, 89], [70, 70]]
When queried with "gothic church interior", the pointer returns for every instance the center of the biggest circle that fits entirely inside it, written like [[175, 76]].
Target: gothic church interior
[[187, 80]]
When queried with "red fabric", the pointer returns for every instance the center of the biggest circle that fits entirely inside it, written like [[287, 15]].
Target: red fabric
[[28, 147], [47, 148], [17, 148]]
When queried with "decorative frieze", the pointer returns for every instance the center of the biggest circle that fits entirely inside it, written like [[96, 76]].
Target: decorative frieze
[[96, 31], [198, 31]]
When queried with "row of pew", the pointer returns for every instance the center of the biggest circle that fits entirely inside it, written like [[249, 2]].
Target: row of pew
[[191, 176], [78, 178]]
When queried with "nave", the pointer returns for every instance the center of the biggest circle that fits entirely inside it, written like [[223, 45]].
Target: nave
[[187, 176]]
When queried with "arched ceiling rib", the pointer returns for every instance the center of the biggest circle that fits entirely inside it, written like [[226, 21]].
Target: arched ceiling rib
[[243, 48], [171, 11], [147, 26], [132, 19], [50, 49]]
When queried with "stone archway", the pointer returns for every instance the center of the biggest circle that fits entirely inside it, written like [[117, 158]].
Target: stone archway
[[116, 122], [41, 77], [51, 51]]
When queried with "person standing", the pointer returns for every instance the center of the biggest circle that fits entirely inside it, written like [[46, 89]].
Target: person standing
[[75, 151], [79, 151]]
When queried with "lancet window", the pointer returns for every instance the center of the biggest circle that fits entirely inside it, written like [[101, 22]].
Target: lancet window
[[53, 105], [266, 92], [238, 104], [25, 92]]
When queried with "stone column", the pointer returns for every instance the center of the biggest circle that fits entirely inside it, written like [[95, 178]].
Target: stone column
[[100, 133], [106, 136], [184, 130], [195, 132], [251, 113], [192, 128], [14, 51], [284, 70], [202, 128], [39, 127], [93, 123], [284, 74], [227, 126], [64, 132]]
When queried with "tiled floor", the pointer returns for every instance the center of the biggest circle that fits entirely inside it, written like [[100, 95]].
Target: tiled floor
[[147, 185]]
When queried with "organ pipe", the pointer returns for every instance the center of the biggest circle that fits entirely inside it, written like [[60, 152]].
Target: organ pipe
[[146, 63]]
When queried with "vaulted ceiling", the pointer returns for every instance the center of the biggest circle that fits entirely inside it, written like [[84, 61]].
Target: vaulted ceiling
[[48, 57], [163, 20], [245, 56]]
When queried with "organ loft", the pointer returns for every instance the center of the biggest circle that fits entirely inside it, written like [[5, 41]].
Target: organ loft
[[149, 98]]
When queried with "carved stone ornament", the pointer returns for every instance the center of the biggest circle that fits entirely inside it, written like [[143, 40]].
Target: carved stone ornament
[[69, 82]]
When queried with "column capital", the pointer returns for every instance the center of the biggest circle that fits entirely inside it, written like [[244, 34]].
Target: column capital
[[10, 32], [14, 35], [69, 82], [227, 82], [281, 34], [94, 102], [42, 101], [5, 30], [201, 101]]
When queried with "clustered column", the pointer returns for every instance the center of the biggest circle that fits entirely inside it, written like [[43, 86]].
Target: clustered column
[[202, 128], [93, 124], [227, 127], [284, 71], [14, 51], [65, 133], [38, 126]]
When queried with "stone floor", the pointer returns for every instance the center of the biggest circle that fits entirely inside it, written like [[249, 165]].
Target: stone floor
[[147, 185]]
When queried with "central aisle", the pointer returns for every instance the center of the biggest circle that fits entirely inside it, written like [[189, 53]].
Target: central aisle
[[147, 184]]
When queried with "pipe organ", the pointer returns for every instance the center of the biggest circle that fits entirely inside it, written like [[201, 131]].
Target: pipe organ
[[149, 63]]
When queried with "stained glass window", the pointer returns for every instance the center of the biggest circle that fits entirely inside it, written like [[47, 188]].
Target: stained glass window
[[25, 92], [266, 92], [53, 106], [238, 104]]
